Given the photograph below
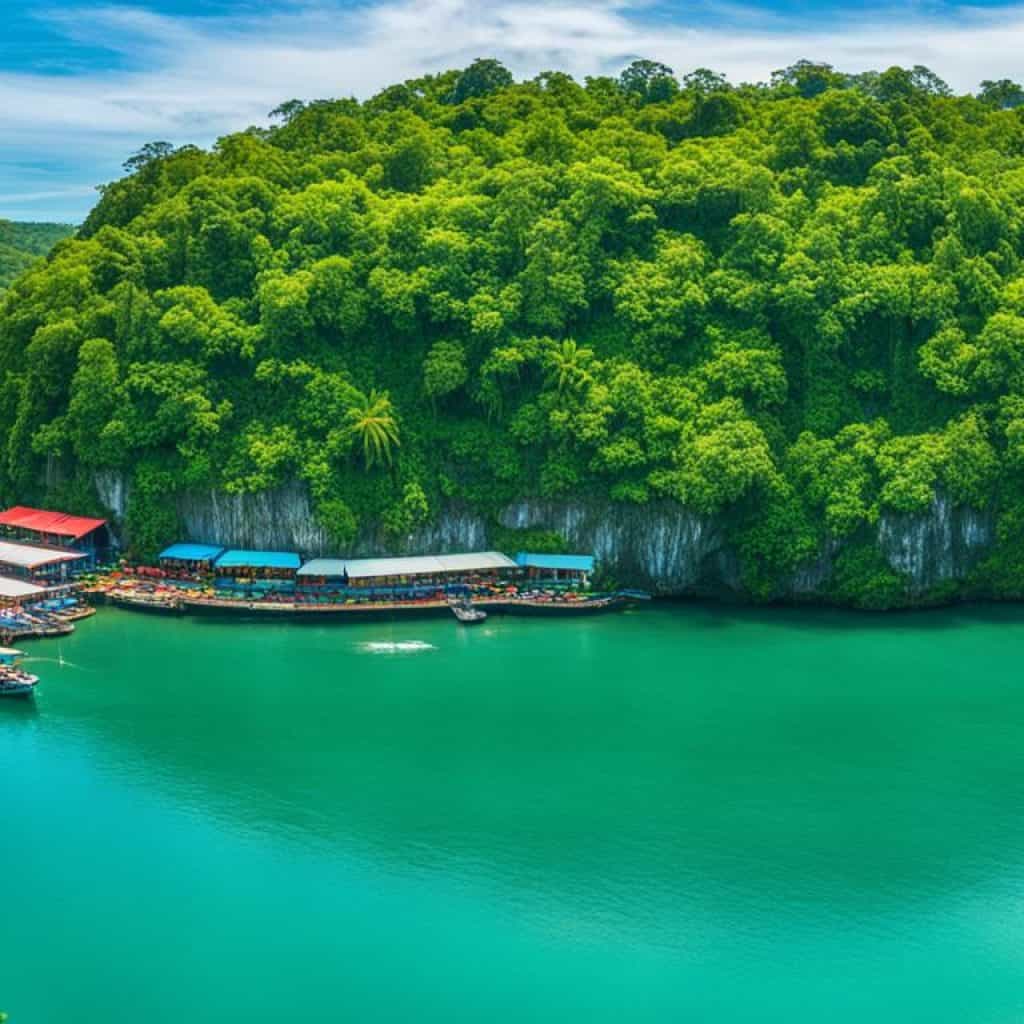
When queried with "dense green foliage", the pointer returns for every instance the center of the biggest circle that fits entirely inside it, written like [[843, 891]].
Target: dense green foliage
[[22, 243], [793, 307]]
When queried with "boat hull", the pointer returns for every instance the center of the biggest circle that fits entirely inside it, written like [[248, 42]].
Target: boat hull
[[18, 693], [18, 688], [147, 607], [555, 610]]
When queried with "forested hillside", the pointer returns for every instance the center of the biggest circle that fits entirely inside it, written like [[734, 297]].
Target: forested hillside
[[793, 307], [22, 243]]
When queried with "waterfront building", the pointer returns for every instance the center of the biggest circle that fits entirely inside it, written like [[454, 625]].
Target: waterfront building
[[573, 570], [256, 572], [14, 592], [190, 559], [409, 577], [80, 534], [42, 566]]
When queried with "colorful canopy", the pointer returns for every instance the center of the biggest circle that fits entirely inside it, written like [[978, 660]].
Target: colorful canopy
[[24, 556], [59, 524], [259, 560], [569, 563], [191, 552]]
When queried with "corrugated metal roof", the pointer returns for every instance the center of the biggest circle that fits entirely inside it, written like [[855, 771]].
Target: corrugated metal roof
[[369, 568], [259, 560], [58, 523], [475, 562], [27, 557], [192, 552], [414, 565], [574, 563], [19, 589], [324, 567]]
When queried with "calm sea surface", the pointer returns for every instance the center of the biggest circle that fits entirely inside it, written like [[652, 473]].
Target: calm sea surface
[[680, 814]]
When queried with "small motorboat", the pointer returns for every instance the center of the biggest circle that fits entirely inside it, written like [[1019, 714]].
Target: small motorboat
[[467, 614], [14, 682]]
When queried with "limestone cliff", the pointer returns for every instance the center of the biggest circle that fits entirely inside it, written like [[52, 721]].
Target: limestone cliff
[[660, 546]]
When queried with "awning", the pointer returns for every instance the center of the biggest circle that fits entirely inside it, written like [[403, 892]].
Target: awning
[[25, 556], [569, 563], [191, 552], [59, 524], [259, 560]]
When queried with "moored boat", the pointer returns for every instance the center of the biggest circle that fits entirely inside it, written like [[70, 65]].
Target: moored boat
[[159, 604], [14, 682], [467, 614]]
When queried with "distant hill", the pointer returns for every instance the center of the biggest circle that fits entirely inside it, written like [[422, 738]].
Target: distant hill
[[21, 244]]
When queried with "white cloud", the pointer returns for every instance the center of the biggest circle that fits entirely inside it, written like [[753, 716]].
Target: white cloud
[[190, 80]]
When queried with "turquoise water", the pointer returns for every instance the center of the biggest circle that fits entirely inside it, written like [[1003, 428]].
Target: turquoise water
[[681, 814]]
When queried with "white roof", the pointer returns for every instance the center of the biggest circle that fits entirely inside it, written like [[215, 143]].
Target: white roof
[[476, 561], [18, 588], [324, 567], [417, 565], [28, 557]]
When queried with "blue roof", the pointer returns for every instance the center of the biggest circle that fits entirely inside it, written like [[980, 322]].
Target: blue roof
[[259, 560], [192, 552], [577, 563]]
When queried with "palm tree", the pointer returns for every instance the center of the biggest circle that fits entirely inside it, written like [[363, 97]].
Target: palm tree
[[371, 420], [567, 365]]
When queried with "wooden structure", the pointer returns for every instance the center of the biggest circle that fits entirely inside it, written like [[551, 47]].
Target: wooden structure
[[256, 572], [573, 570], [81, 534], [42, 566], [190, 559], [417, 576], [14, 593]]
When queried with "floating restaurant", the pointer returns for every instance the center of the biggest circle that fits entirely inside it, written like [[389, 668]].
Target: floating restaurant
[[84, 536], [14, 593], [572, 570], [42, 566], [189, 561], [416, 577], [258, 572]]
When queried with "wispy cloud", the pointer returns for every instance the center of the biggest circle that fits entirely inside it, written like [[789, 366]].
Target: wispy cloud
[[53, 193], [192, 79]]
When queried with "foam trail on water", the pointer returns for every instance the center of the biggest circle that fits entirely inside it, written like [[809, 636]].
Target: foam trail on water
[[62, 662], [396, 647]]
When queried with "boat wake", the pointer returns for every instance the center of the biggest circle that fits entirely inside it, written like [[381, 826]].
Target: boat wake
[[396, 647], [62, 662]]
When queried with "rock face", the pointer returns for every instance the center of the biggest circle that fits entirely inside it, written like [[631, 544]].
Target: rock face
[[943, 544], [281, 519], [662, 547]]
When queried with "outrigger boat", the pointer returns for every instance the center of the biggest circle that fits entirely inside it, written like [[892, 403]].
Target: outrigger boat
[[14, 682]]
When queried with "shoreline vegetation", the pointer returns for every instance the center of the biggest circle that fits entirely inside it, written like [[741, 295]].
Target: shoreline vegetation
[[793, 309]]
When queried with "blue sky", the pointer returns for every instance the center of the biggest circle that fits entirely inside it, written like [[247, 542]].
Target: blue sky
[[84, 84]]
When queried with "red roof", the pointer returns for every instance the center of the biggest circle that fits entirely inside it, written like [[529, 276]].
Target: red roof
[[57, 523]]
